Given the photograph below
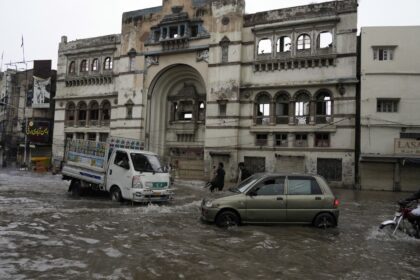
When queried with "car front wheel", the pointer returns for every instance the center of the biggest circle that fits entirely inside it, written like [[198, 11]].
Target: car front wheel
[[227, 218], [324, 220]]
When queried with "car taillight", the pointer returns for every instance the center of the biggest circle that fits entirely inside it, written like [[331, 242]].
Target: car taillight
[[336, 203]]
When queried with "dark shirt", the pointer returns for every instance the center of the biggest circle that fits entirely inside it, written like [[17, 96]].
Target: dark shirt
[[219, 180], [245, 174]]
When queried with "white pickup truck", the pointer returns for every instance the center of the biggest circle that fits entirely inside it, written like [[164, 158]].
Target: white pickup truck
[[118, 166]]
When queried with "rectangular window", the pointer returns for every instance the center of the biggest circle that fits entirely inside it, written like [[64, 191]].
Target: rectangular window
[[330, 169], [322, 140], [103, 137], [382, 54], [261, 140], [255, 164], [69, 136], [281, 140], [222, 109], [80, 136], [387, 105], [92, 136], [301, 140]]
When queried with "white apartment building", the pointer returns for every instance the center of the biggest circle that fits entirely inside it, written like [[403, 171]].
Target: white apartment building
[[390, 108]]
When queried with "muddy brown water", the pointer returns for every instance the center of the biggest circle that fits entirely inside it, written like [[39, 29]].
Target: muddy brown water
[[47, 234]]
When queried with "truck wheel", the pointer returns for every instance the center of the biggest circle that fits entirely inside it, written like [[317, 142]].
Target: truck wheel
[[75, 188], [116, 194]]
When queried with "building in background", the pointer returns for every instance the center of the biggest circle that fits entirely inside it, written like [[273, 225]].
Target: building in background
[[200, 82], [26, 115], [390, 102]]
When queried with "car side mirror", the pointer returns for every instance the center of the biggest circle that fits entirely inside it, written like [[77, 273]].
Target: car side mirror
[[252, 193]]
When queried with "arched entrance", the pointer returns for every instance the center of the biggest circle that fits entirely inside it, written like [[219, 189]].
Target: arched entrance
[[176, 119]]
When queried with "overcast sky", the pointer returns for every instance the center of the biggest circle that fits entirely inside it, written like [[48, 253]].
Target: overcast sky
[[43, 22]]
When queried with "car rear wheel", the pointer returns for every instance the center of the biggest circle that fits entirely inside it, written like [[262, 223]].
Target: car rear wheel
[[116, 194], [227, 218], [324, 220]]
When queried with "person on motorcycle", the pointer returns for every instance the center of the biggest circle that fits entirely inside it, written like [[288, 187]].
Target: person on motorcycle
[[415, 213]]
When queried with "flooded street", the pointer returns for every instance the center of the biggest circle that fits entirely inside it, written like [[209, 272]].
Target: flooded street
[[47, 234]]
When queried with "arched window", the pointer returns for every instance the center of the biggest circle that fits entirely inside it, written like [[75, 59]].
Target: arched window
[[94, 113], [282, 109], [70, 114], [302, 112], [105, 113], [262, 109], [264, 46], [72, 67], [108, 63], [323, 107], [325, 40], [284, 44], [201, 111], [95, 65], [304, 42], [82, 114], [200, 13], [84, 66]]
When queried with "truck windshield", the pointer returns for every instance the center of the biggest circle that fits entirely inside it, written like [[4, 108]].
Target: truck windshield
[[147, 163]]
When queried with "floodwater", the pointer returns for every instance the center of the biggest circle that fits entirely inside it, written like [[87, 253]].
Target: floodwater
[[47, 234]]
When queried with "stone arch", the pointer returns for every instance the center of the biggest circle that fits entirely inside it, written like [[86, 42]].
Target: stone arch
[[168, 81]]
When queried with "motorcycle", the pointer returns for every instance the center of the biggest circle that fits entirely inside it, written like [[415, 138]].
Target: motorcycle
[[403, 220]]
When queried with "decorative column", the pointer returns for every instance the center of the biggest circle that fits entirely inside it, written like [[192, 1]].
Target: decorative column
[[312, 112], [292, 113]]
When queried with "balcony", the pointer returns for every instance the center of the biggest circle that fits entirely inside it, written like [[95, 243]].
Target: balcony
[[320, 119], [282, 120], [302, 120]]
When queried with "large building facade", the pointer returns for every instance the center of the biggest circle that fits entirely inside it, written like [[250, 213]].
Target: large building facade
[[390, 128], [201, 82]]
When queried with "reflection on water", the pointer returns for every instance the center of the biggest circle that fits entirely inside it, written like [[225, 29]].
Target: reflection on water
[[45, 234]]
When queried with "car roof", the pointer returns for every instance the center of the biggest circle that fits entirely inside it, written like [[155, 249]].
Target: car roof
[[269, 174]]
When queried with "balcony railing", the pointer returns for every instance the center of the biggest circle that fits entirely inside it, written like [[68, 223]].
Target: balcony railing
[[302, 120], [282, 119], [262, 120], [105, 122], [81, 123], [93, 122], [300, 143], [261, 142], [323, 119]]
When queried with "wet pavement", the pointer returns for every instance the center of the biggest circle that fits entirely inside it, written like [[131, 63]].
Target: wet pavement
[[47, 234]]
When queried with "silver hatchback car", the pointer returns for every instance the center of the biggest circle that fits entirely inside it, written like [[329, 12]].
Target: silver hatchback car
[[275, 198]]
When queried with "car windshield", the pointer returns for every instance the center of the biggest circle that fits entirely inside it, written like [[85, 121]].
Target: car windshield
[[147, 163], [245, 184]]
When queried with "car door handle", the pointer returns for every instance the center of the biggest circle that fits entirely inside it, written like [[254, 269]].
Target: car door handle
[[279, 198], [318, 198], [110, 172]]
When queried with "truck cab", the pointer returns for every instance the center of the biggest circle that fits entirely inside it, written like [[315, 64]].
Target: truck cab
[[137, 176]]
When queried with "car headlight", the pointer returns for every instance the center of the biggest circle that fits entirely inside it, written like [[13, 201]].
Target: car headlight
[[136, 182], [208, 203]]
